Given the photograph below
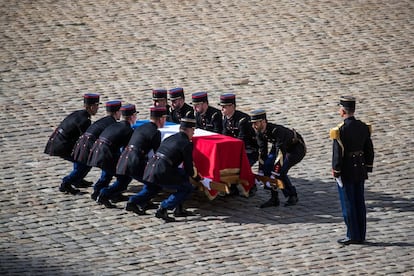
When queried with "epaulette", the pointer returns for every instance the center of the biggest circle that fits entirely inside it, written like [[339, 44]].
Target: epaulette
[[334, 132], [188, 113], [214, 115], [369, 128], [242, 119]]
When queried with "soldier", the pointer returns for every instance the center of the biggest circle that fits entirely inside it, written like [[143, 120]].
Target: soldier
[[105, 154], [207, 117], [85, 142], [134, 157], [163, 171], [179, 108], [352, 159], [159, 98], [287, 145], [63, 139], [237, 124]]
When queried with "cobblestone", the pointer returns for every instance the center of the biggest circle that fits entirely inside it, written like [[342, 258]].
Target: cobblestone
[[293, 58]]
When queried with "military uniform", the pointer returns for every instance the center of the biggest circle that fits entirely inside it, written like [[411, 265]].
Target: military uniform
[[288, 145], [134, 157], [63, 139], [186, 111], [239, 126], [163, 171], [211, 119], [352, 159], [105, 154], [85, 142]]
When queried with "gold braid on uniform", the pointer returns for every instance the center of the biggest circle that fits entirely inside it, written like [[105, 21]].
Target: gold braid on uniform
[[334, 134]]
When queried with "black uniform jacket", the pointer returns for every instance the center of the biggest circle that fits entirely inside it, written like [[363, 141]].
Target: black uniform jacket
[[107, 148], [239, 126], [176, 114], [84, 144], [353, 152], [211, 120], [63, 139], [174, 150], [134, 157]]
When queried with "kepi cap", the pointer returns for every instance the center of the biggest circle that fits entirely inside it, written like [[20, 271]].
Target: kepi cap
[[90, 98], [158, 111], [113, 106], [257, 115], [227, 99], [347, 102], [199, 97], [176, 93], [159, 94], [187, 122], [128, 110]]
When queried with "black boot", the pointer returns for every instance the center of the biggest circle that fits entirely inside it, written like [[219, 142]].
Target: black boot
[[105, 201], [133, 207], [181, 212], [95, 195], [273, 201], [151, 206], [67, 188], [292, 200], [83, 184], [163, 214]]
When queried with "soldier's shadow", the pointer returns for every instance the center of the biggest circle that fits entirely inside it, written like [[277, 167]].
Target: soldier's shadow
[[318, 203]]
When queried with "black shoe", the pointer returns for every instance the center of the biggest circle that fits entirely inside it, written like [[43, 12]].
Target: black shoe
[[252, 191], [181, 212], [348, 241], [95, 195], [67, 188], [120, 198], [105, 201], [151, 206], [292, 200], [162, 213], [270, 203], [83, 184], [132, 207]]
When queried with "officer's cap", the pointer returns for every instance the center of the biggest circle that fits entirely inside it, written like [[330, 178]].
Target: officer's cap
[[347, 102], [227, 99], [90, 98], [159, 94], [158, 111], [113, 106], [176, 93], [187, 122], [199, 97], [128, 110], [257, 115]]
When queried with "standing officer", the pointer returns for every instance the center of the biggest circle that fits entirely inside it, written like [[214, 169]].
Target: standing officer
[[237, 124], [164, 171], [207, 117], [105, 154], [63, 139], [179, 108], [352, 159], [160, 98], [134, 157], [85, 142], [287, 145]]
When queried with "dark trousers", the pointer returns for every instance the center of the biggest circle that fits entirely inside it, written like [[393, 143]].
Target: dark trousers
[[353, 207], [115, 189], [78, 173], [150, 190], [291, 158]]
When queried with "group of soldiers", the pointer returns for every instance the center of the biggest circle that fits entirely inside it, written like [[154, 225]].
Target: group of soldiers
[[125, 150]]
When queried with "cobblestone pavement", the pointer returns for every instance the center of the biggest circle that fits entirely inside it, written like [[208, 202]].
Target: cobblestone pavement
[[294, 58]]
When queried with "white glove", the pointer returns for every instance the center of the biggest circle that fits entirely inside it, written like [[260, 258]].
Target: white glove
[[206, 183], [339, 181], [268, 184], [260, 173], [258, 182]]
